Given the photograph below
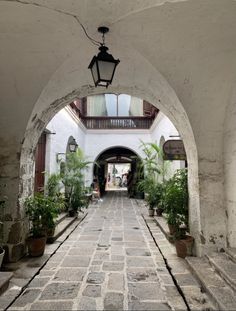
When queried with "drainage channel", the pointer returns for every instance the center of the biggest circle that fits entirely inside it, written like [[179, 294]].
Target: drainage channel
[[38, 272], [168, 268]]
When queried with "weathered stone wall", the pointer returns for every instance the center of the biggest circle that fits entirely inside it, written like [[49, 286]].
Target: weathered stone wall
[[230, 168]]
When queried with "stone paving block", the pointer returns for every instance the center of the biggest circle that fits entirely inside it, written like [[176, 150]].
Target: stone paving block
[[134, 237], [64, 248], [95, 268], [60, 291], [197, 300], [113, 301], [117, 238], [101, 255], [117, 249], [70, 274], [87, 303], [88, 238], [166, 279], [152, 306], [224, 296], [137, 252], [142, 275], [117, 258], [96, 262], [28, 296], [57, 257], [112, 266], [146, 291], [50, 265], [39, 282], [186, 279], [96, 277], [76, 261], [81, 251], [84, 244], [46, 273], [116, 282], [52, 305], [135, 244], [174, 299], [139, 262], [178, 265], [92, 291]]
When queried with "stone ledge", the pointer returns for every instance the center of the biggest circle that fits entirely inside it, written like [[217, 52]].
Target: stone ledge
[[222, 296], [62, 225], [225, 267], [4, 280]]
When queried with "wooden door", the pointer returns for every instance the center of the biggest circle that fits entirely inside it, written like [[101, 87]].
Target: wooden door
[[40, 164]]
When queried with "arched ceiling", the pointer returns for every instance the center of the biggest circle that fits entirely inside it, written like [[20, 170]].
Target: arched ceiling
[[191, 43]]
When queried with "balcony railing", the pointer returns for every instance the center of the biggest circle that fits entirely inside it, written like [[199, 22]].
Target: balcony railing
[[118, 122]]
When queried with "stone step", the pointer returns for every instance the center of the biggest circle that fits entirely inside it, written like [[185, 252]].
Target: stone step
[[224, 265], [61, 227], [162, 224], [61, 217], [222, 295], [232, 253], [4, 280]]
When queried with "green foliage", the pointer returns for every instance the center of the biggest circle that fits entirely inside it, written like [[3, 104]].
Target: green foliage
[[53, 185], [53, 190], [41, 210], [73, 179], [155, 170], [176, 199]]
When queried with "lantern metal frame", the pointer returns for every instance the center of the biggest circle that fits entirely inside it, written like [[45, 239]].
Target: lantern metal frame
[[102, 57], [73, 145]]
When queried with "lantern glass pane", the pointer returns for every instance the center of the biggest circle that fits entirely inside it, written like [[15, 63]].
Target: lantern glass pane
[[94, 72], [106, 70]]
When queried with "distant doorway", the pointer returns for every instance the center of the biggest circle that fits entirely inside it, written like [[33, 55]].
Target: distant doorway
[[117, 176]]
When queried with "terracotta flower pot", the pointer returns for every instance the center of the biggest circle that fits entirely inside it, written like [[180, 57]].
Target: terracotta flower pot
[[184, 246], [159, 211], [36, 246], [151, 212], [172, 229]]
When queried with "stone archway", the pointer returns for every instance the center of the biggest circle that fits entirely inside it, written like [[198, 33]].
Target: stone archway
[[110, 155], [176, 114]]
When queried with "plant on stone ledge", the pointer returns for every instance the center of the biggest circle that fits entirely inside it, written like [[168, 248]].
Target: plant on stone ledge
[[176, 200], [155, 170], [73, 180]]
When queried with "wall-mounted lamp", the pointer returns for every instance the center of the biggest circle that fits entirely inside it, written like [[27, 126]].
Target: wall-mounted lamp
[[60, 157], [73, 145], [103, 65]]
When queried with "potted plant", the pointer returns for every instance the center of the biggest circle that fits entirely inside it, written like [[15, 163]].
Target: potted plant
[[183, 243], [54, 194], [41, 211], [154, 176], [73, 180], [176, 200], [176, 209]]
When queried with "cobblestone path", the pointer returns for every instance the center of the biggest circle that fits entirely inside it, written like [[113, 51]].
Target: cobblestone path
[[110, 262]]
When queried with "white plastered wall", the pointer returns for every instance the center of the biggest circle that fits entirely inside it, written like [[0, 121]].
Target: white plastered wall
[[63, 125]]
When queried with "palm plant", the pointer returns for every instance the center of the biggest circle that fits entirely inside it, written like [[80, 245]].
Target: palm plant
[[176, 199], [155, 170], [73, 180]]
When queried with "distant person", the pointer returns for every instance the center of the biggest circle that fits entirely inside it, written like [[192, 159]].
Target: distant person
[[95, 189], [130, 183]]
